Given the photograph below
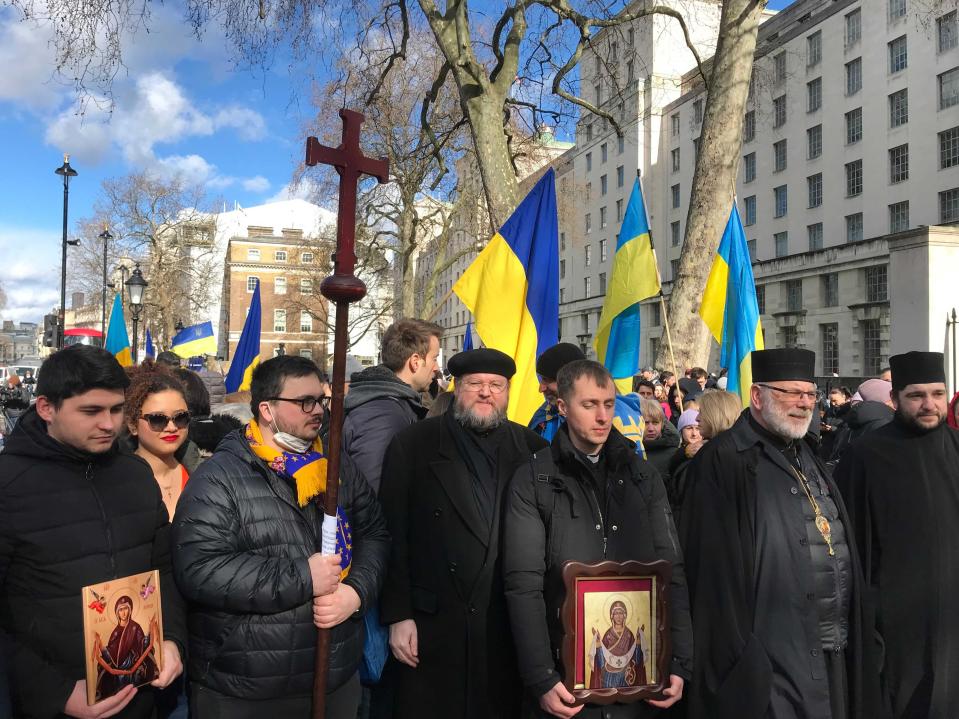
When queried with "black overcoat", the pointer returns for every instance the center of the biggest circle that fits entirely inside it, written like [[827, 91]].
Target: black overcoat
[[752, 589], [445, 574]]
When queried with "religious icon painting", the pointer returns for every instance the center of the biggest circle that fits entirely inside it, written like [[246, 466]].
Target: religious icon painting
[[122, 634], [616, 631]]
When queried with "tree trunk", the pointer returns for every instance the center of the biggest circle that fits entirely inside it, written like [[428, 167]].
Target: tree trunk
[[500, 185], [714, 182]]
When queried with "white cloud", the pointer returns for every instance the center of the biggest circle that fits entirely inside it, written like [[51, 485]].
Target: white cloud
[[191, 168], [25, 53], [305, 189], [256, 184], [32, 280], [248, 123]]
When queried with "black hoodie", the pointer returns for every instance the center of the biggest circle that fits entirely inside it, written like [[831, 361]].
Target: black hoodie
[[69, 519]]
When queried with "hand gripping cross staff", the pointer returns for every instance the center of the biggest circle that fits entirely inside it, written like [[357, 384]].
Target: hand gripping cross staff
[[342, 287]]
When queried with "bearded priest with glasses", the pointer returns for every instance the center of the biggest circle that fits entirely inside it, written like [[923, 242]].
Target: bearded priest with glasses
[[782, 629], [443, 488]]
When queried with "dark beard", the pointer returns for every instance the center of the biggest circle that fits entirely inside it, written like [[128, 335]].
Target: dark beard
[[914, 425]]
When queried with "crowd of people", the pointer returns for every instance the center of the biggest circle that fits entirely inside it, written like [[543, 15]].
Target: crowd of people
[[811, 536]]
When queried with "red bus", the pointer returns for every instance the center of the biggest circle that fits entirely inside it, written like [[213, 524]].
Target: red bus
[[82, 336]]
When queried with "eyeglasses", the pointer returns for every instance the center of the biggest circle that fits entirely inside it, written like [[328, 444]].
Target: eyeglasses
[[307, 404], [794, 395], [159, 421], [474, 385]]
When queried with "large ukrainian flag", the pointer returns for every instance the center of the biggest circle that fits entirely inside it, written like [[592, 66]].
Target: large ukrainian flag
[[512, 290], [118, 341], [194, 341], [633, 278], [730, 309], [247, 354]]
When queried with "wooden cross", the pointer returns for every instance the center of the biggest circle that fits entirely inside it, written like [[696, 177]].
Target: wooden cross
[[342, 287]]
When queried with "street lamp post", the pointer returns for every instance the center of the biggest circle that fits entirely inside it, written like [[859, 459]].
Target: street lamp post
[[66, 172], [106, 237], [135, 287]]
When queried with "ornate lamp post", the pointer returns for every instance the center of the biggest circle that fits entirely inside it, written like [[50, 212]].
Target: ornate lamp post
[[136, 285], [66, 172], [106, 237]]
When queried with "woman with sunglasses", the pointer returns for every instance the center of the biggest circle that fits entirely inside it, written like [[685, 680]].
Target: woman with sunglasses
[[158, 420]]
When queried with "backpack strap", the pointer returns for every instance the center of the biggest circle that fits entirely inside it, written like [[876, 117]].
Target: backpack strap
[[547, 484]]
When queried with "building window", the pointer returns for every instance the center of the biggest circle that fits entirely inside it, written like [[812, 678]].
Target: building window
[[949, 148], [749, 126], [782, 205], [674, 124], [620, 176], [630, 71], [761, 298], [854, 126], [830, 348], [674, 269], [602, 186], [655, 315], [603, 251], [602, 218], [779, 155], [588, 220], [871, 348], [562, 295], [621, 142], [279, 320], [781, 240], [279, 256], [751, 249], [589, 161], [602, 283], [854, 178], [696, 150], [589, 191], [598, 93], [562, 269], [947, 31], [306, 286], [675, 193], [899, 108], [251, 283], [899, 164], [854, 227], [750, 210], [589, 133], [619, 211], [279, 286], [562, 242], [749, 167], [898, 55], [307, 258], [779, 111], [698, 111], [949, 88], [814, 49], [588, 257], [830, 289], [779, 68], [853, 28], [675, 156], [306, 322], [814, 232], [674, 233], [587, 287], [603, 153], [877, 288], [949, 206], [794, 295], [253, 255], [814, 142], [814, 94], [897, 9], [853, 76], [899, 216]]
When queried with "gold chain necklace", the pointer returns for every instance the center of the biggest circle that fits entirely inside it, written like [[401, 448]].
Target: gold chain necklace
[[822, 524]]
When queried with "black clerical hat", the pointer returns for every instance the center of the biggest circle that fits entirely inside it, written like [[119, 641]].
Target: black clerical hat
[[917, 368], [485, 360], [784, 365], [556, 357]]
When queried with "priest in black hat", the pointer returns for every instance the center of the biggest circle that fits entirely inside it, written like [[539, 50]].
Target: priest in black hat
[[442, 493], [547, 420], [774, 585], [901, 484]]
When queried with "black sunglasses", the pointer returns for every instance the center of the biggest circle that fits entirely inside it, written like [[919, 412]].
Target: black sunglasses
[[307, 404], [159, 421]]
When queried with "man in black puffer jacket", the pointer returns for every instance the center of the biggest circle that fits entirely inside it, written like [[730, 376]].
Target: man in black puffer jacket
[[246, 557], [75, 511]]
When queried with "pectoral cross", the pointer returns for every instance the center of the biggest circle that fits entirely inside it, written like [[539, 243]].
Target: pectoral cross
[[342, 287]]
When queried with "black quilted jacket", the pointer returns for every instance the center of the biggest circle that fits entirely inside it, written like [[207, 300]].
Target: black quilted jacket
[[241, 545]]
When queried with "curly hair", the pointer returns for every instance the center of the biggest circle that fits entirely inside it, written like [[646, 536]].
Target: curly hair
[[149, 378]]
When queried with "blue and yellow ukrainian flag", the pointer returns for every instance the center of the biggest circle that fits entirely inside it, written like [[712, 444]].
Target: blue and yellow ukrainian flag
[[118, 341], [247, 354], [512, 290], [633, 278], [149, 351], [730, 309], [194, 341]]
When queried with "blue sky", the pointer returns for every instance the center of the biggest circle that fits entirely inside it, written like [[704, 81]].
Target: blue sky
[[180, 106]]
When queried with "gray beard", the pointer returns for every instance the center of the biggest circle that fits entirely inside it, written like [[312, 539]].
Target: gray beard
[[779, 423], [467, 418]]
